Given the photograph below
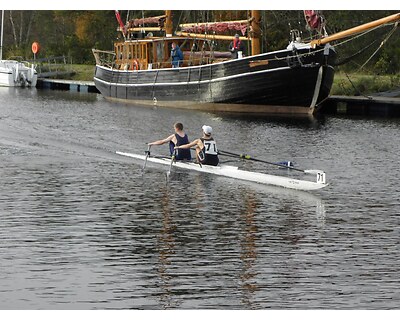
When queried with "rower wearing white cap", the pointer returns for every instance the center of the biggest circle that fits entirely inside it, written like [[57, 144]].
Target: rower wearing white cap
[[206, 148]]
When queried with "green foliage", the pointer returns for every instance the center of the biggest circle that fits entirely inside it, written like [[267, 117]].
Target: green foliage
[[75, 33]]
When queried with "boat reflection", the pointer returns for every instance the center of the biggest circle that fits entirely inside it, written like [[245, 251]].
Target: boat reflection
[[202, 242], [302, 120], [248, 244], [166, 247]]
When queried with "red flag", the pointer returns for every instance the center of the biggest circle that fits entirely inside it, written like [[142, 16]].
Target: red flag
[[313, 19], [121, 24]]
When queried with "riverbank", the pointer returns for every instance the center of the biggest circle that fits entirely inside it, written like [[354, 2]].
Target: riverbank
[[356, 84]]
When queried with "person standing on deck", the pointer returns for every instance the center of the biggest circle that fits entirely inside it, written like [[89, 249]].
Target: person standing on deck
[[176, 139], [206, 148], [176, 56], [235, 46]]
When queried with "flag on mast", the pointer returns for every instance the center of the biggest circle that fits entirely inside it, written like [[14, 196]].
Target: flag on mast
[[121, 24]]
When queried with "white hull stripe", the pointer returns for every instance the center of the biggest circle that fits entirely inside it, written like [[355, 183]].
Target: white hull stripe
[[240, 75]]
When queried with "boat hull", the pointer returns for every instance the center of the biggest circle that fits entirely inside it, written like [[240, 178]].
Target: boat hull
[[282, 81], [17, 74], [235, 173]]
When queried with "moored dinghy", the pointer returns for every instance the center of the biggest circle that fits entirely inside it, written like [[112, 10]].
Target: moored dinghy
[[15, 73]]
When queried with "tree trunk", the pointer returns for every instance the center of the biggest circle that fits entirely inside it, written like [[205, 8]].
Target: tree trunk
[[28, 32], [21, 34], [21, 23], [13, 29]]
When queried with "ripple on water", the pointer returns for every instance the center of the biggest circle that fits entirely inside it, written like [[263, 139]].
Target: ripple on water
[[82, 228]]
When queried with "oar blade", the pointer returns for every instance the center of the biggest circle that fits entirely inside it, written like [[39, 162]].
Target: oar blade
[[147, 152], [173, 159]]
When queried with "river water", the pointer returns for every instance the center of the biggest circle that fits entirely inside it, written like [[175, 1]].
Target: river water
[[82, 228]]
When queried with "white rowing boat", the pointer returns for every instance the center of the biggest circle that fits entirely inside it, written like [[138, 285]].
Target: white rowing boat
[[236, 173]]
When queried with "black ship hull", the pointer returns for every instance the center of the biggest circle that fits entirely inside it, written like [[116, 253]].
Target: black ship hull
[[285, 81]]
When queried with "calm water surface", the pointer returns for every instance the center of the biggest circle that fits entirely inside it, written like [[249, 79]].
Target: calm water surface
[[82, 228]]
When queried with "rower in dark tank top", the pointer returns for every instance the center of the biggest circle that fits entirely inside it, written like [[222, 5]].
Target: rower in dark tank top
[[182, 154], [176, 139]]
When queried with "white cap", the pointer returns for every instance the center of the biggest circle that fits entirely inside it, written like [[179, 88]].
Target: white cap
[[207, 129]]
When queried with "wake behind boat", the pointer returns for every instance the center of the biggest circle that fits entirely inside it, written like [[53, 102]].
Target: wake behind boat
[[236, 173]]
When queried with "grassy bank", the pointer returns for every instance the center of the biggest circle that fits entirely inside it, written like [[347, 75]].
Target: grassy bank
[[358, 84], [82, 72]]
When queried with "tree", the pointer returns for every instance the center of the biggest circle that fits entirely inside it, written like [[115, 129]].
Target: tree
[[75, 33]]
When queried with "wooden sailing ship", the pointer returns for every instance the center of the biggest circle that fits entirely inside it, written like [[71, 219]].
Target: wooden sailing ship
[[295, 79]]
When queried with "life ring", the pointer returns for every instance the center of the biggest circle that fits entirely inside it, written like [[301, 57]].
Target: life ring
[[35, 47], [135, 64]]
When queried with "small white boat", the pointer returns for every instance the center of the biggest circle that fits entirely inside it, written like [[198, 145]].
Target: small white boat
[[17, 74], [236, 173]]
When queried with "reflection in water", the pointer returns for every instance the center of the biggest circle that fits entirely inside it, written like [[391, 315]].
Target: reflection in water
[[166, 245], [296, 120], [248, 245], [83, 229]]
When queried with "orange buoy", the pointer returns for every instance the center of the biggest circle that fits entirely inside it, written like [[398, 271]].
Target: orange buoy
[[35, 47]]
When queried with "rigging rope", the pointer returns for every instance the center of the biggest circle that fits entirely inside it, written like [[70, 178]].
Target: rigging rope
[[381, 45], [349, 58]]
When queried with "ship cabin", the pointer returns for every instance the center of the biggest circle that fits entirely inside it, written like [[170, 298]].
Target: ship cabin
[[155, 53]]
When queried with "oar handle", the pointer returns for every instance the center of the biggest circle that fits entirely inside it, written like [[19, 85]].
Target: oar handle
[[248, 157], [147, 152]]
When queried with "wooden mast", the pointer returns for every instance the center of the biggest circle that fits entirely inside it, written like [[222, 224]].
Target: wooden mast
[[355, 30], [255, 32], [168, 23]]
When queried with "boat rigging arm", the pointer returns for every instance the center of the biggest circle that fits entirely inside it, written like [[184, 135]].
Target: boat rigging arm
[[355, 30]]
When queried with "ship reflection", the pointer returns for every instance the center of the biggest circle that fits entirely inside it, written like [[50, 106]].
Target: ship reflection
[[166, 246], [313, 121], [248, 244], [204, 242]]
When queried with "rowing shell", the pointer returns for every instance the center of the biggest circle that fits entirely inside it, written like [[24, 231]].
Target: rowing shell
[[236, 173]]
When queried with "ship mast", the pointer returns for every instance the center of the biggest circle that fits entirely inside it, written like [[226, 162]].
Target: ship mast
[[168, 23], [255, 32]]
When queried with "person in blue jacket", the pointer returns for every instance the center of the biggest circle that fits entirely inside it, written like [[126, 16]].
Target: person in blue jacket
[[176, 56], [177, 139]]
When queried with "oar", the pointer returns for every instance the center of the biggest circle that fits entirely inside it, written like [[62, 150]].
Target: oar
[[248, 157], [147, 152], [172, 161]]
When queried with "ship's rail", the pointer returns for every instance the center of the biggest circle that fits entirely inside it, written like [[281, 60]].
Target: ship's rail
[[108, 59], [104, 58]]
